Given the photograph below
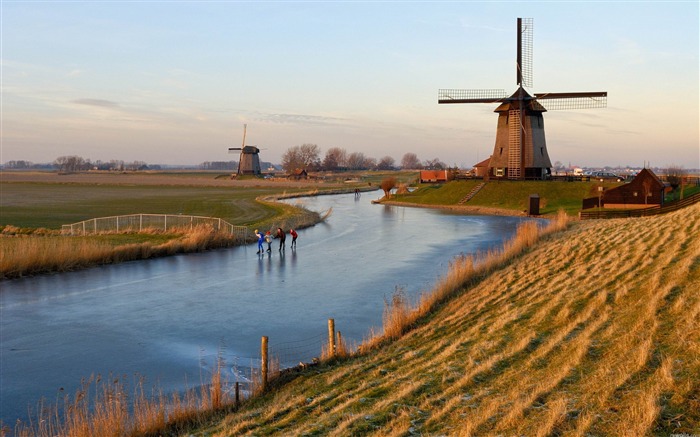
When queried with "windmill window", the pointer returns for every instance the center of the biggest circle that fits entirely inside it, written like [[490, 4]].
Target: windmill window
[[500, 152], [542, 151]]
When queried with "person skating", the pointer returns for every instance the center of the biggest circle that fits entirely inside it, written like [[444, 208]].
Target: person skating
[[261, 239], [268, 239], [294, 235], [282, 236]]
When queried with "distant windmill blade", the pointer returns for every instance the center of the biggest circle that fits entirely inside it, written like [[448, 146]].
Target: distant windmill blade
[[524, 62], [471, 96], [231, 149], [590, 100]]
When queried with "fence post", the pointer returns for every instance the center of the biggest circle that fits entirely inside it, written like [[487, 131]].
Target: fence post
[[140, 222], [331, 338], [340, 349], [263, 369], [238, 395]]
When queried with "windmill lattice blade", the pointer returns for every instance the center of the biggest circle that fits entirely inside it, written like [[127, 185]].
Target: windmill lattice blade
[[555, 101], [470, 96], [525, 48]]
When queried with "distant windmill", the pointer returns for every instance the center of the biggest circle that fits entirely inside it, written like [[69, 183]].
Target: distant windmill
[[249, 162], [521, 150]]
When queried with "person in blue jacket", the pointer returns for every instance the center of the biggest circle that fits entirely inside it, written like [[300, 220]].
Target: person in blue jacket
[[261, 240]]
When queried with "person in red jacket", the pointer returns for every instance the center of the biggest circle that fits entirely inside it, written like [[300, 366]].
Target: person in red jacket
[[294, 235]]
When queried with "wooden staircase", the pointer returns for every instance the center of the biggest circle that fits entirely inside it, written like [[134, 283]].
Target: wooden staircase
[[472, 193]]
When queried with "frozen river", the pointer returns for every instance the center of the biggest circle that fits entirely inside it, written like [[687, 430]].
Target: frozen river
[[167, 319]]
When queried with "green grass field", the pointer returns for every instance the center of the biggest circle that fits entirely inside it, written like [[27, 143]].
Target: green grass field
[[52, 205], [509, 195]]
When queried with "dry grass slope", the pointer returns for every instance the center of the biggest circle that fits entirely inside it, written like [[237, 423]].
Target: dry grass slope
[[594, 332]]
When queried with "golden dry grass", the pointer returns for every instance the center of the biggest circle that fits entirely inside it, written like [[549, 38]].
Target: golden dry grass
[[594, 332]]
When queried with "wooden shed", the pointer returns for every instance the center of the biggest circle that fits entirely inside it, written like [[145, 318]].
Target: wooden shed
[[432, 176], [645, 190]]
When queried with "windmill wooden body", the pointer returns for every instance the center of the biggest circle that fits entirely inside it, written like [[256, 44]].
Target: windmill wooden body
[[249, 161], [520, 151]]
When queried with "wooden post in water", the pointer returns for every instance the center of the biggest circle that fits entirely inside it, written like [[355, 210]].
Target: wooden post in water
[[331, 338], [263, 368]]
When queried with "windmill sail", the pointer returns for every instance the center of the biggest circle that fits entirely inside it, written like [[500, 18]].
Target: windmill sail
[[524, 62], [554, 101], [471, 96]]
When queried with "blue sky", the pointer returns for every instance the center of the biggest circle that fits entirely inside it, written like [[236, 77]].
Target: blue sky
[[173, 82]]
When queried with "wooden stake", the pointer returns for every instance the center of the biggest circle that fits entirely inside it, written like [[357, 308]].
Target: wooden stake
[[263, 369], [331, 338]]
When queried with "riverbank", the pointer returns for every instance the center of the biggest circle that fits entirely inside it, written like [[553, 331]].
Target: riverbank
[[462, 209], [41, 251]]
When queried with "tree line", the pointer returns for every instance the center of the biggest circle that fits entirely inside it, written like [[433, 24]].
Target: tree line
[[74, 163], [308, 157]]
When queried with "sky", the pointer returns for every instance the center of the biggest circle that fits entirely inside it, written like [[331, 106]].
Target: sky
[[173, 82]]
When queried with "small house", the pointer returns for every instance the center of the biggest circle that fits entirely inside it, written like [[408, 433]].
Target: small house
[[299, 174], [481, 169], [645, 190], [433, 176]]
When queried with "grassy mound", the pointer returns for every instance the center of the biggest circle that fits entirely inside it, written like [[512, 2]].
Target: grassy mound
[[594, 332]]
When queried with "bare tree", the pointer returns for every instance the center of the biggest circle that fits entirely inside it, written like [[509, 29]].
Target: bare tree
[[674, 175], [386, 163], [70, 163], [435, 164], [357, 161], [305, 156], [335, 159], [410, 161]]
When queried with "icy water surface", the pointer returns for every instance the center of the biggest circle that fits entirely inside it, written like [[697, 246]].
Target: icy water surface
[[167, 319]]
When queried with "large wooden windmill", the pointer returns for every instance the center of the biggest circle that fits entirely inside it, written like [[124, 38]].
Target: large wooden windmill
[[521, 150], [249, 161]]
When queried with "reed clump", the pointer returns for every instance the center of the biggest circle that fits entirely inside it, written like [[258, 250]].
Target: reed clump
[[111, 407]]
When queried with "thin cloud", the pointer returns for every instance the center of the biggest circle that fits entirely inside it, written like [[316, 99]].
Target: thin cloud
[[96, 102], [303, 119]]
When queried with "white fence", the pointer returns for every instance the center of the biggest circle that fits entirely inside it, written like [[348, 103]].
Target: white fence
[[160, 222]]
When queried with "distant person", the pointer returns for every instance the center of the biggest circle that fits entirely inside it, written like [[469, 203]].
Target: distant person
[[294, 235], [261, 240], [268, 239], [282, 236]]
